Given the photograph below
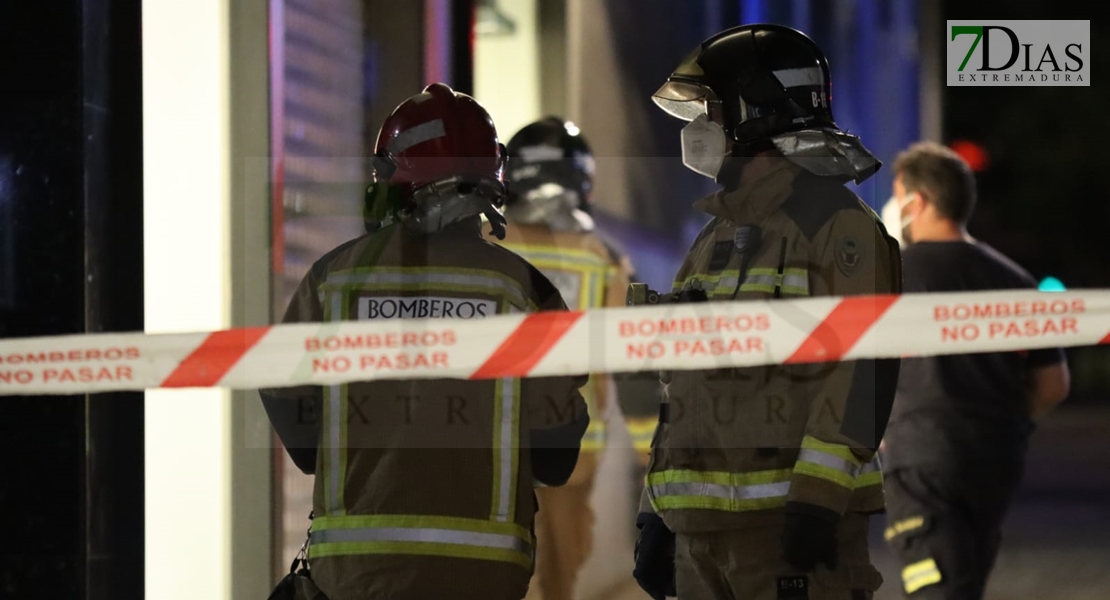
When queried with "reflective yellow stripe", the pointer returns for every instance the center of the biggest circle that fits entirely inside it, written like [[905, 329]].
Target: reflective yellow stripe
[[793, 282], [421, 535], [920, 574], [838, 450], [556, 253], [594, 441], [590, 272], [721, 284], [426, 521], [504, 453], [903, 526], [506, 446], [326, 549], [642, 431], [589, 269], [732, 492], [335, 417], [870, 474], [831, 462]]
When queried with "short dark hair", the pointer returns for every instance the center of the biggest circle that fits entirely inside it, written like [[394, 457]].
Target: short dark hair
[[941, 175]]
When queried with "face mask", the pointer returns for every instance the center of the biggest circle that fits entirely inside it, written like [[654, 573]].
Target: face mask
[[897, 225], [704, 146]]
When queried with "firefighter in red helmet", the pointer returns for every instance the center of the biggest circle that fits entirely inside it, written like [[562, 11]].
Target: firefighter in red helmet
[[424, 488]]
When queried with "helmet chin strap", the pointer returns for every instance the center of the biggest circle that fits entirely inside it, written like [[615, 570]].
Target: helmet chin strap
[[496, 222], [439, 205]]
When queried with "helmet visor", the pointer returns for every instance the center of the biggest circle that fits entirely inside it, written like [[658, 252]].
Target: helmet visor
[[684, 100]]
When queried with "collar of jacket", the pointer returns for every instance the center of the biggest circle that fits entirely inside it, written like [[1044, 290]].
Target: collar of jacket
[[764, 184]]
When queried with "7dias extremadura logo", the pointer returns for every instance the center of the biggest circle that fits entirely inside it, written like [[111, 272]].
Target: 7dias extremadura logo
[[1019, 53]]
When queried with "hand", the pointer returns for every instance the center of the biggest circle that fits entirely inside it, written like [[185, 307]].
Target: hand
[[809, 539], [654, 556]]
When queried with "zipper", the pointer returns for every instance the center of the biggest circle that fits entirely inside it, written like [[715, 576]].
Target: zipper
[[782, 268]]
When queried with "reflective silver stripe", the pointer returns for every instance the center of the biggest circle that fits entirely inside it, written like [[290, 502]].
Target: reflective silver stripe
[[760, 280], [504, 430], [796, 281], [726, 284], [805, 76], [416, 135], [871, 466], [336, 442], [335, 436], [540, 153], [726, 492], [433, 278], [428, 536], [828, 460]]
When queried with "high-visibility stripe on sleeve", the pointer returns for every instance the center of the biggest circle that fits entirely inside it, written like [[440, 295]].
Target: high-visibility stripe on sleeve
[[642, 431], [831, 462], [870, 474], [731, 492], [920, 574]]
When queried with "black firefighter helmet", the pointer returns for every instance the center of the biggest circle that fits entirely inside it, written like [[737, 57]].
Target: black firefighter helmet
[[550, 154], [767, 86]]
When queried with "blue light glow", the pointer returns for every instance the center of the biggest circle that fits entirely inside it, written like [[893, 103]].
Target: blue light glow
[[753, 11], [1051, 284]]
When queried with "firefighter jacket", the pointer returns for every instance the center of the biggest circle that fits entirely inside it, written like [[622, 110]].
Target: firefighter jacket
[[736, 445], [424, 487], [588, 275]]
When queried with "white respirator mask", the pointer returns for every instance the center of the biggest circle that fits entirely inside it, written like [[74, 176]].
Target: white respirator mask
[[893, 220], [704, 145]]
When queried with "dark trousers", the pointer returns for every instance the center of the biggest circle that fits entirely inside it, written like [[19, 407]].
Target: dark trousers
[[945, 526]]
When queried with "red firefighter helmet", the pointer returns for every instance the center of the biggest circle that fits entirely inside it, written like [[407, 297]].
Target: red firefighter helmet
[[440, 138]]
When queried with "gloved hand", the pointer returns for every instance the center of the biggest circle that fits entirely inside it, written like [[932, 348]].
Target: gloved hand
[[654, 557], [809, 537]]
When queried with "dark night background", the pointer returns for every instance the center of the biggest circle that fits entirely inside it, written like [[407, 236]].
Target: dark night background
[[71, 164], [1042, 198]]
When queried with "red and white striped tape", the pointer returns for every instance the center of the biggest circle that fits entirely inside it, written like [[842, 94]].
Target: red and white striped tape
[[673, 336]]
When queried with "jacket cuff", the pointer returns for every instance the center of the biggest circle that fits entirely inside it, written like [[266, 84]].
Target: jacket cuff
[[818, 492]]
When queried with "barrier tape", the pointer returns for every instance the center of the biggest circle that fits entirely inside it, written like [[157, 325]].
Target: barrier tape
[[659, 337]]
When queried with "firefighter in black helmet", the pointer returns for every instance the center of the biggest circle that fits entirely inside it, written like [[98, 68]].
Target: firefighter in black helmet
[[550, 183], [772, 502]]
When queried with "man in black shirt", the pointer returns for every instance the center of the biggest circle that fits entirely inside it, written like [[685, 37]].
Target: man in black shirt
[[953, 453]]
